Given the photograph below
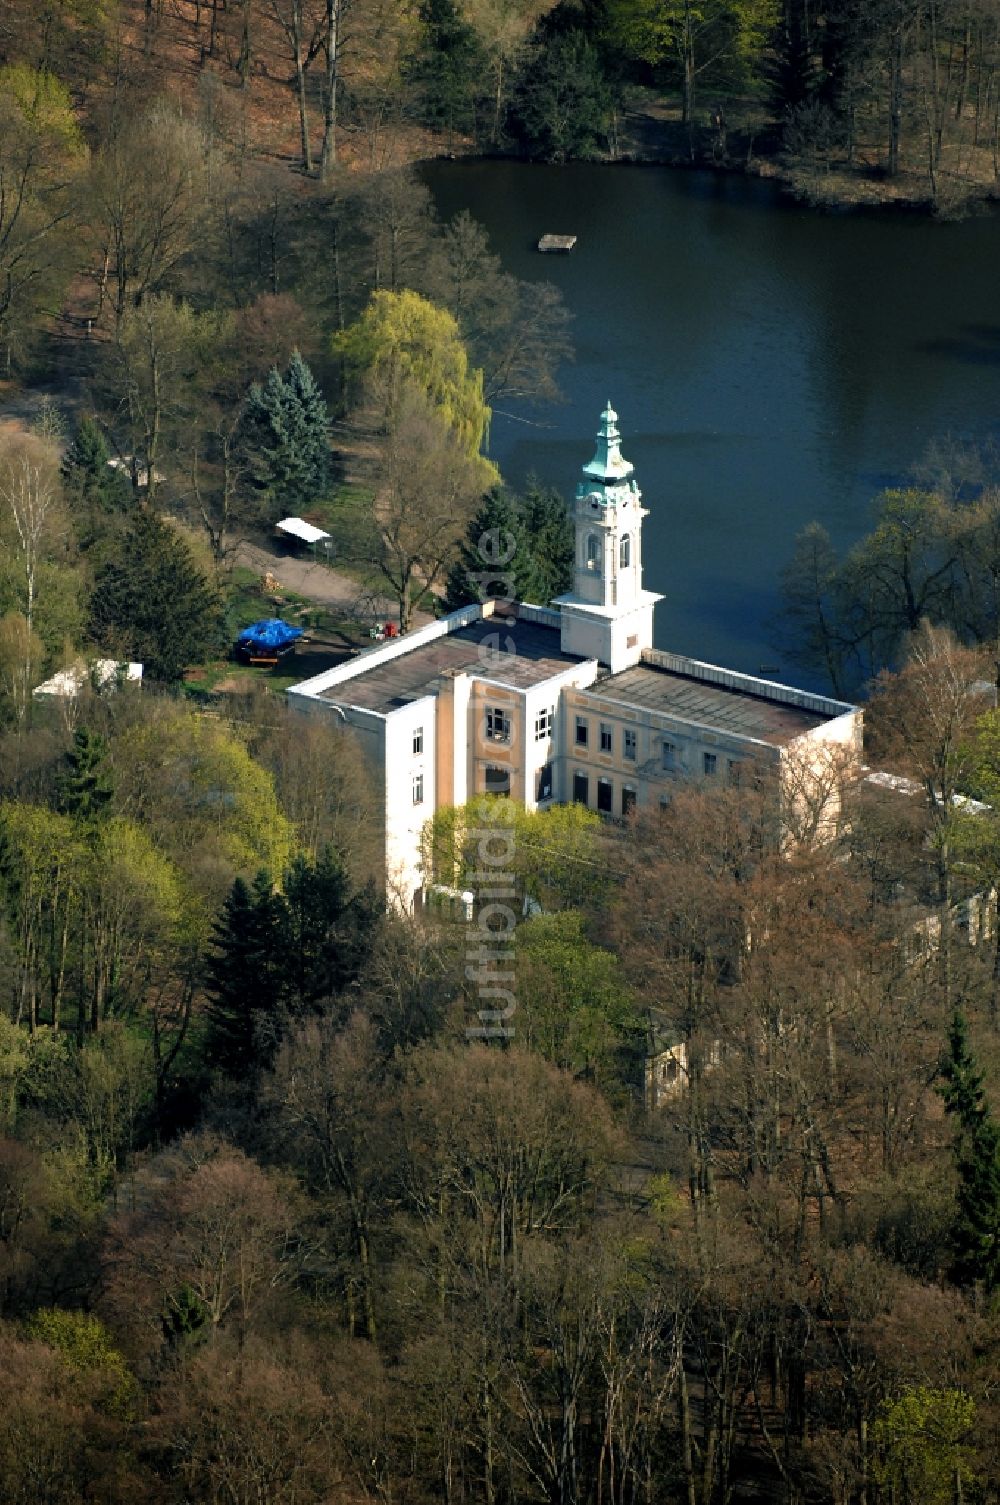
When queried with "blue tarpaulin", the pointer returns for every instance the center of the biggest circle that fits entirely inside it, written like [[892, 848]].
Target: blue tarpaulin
[[270, 635]]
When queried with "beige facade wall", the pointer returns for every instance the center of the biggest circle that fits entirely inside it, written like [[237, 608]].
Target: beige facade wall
[[645, 773]]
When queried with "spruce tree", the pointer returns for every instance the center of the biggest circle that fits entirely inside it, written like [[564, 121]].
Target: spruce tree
[[553, 542], [532, 536], [328, 930], [95, 490], [153, 604], [243, 979], [493, 559], [285, 438], [85, 788], [447, 67], [976, 1231]]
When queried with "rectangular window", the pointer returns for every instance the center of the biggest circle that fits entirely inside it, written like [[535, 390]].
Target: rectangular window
[[497, 724], [545, 782], [733, 772], [605, 737], [628, 800], [498, 781], [629, 745], [709, 763], [581, 789], [418, 788], [664, 802], [544, 722], [605, 796], [418, 740], [669, 755], [632, 641], [581, 731]]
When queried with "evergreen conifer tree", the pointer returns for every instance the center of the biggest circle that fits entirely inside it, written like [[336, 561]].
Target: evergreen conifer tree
[[152, 603], [88, 479], [447, 67], [243, 979], [85, 787], [516, 548], [286, 438], [493, 560], [552, 539], [328, 930], [976, 1230]]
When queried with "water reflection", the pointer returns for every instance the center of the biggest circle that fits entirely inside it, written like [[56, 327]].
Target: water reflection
[[771, 364]]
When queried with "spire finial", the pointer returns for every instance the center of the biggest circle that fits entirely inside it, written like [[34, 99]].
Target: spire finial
[[608, 464]]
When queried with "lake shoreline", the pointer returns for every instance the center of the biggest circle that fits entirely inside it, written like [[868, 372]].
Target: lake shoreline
[[835, 190]]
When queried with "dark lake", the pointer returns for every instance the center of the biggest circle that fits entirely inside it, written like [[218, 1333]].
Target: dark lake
[[770, 365]]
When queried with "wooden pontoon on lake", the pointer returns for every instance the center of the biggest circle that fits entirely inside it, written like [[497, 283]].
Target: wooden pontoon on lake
[[557, 243]]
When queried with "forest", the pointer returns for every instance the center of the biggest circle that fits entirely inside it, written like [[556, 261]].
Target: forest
[[720, 1221]]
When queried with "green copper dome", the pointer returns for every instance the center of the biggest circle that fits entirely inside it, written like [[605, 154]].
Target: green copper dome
[[608, 464]]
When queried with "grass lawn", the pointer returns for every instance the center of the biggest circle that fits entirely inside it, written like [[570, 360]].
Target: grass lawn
[[332, 637]]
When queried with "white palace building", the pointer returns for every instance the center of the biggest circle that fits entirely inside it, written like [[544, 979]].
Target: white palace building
[[569, 701]]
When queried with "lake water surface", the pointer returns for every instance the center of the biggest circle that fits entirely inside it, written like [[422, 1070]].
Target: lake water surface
[[770, 365]]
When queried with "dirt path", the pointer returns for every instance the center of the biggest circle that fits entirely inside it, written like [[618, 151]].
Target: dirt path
[[323, 584]]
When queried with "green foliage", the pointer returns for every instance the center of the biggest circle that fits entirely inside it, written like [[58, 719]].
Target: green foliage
[[152, 603], [562, 107], [86, 1347], [243, 978], [95, 491], [285, 438], [975, 1234], [44, 103], [281, 955], [919, 1449], [185, 1319], [446, 67], [85, 786], [516, 548], [194, 786], [552, 855], [402, 338], [575, 1007]]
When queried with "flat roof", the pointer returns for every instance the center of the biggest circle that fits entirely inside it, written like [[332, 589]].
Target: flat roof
[[717, 707], [499, 648], [298, 528]]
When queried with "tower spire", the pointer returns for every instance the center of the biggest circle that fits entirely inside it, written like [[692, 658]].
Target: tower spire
[[608, 465], [608, 615]]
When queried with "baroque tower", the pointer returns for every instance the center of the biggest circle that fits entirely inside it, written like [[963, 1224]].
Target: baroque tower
[[608, 615]]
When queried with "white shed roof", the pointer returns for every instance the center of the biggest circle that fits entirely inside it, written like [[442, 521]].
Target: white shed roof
[[102, 673], [300, 529]]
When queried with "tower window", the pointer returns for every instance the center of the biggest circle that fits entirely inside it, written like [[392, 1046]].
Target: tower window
[[418, 740], [418, 788], [625, 551], [593, 552]]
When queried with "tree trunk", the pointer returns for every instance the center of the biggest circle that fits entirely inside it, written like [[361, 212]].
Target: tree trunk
[[328, 155]]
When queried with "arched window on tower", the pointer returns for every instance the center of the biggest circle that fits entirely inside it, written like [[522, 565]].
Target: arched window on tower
[[625, 551], [593, 552]]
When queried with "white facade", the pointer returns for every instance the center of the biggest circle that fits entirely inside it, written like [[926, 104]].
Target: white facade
[[552, 704]]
